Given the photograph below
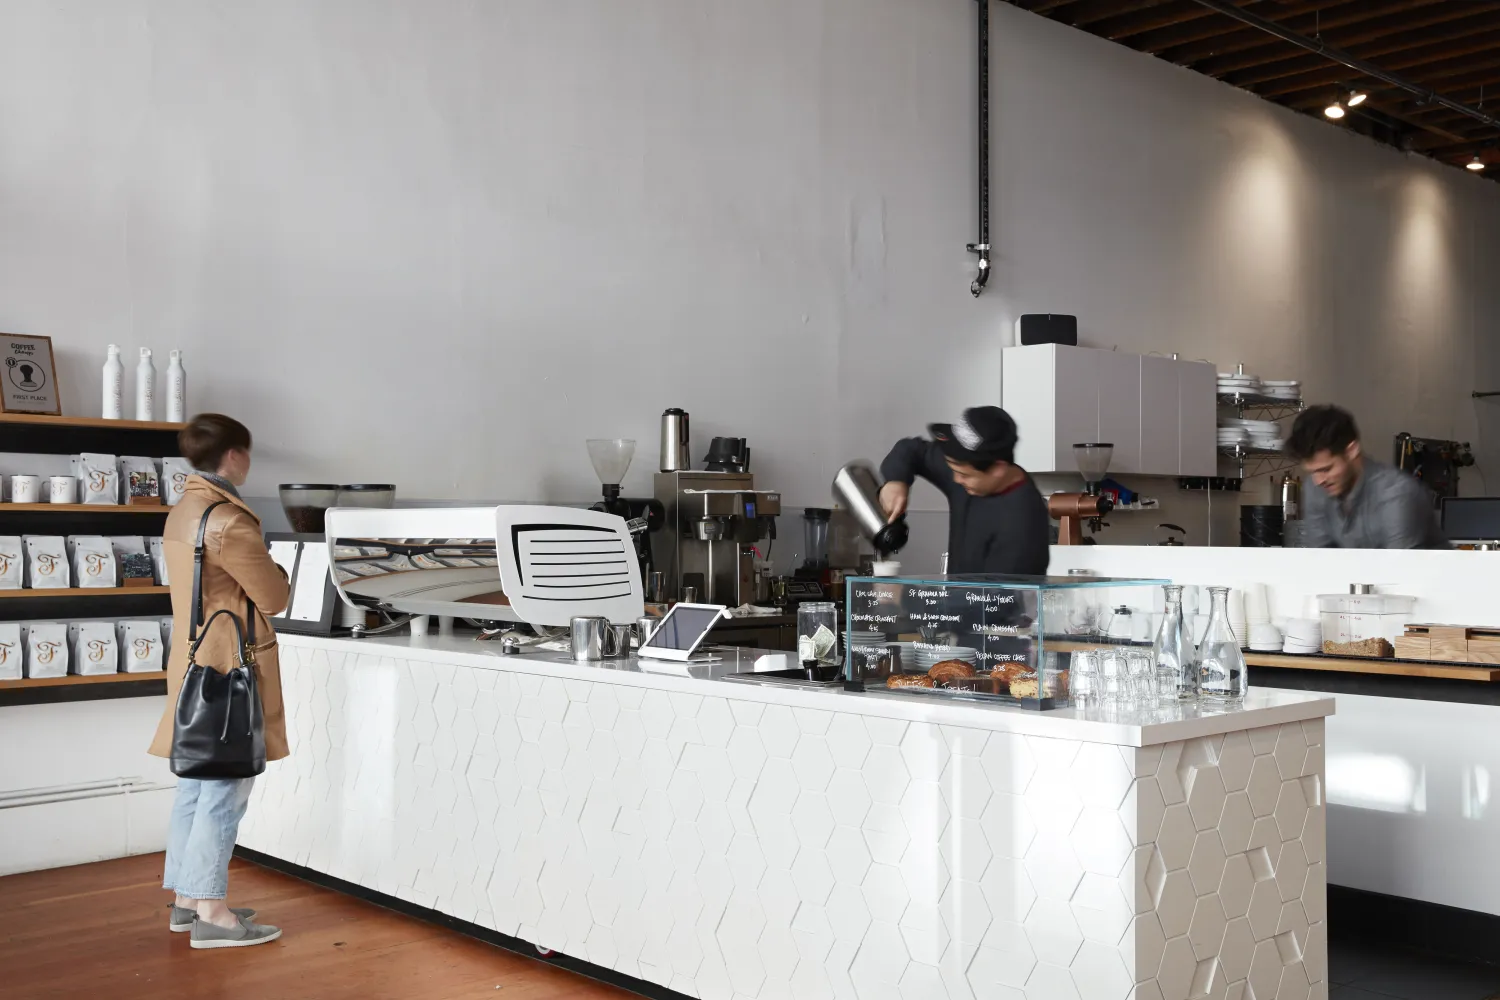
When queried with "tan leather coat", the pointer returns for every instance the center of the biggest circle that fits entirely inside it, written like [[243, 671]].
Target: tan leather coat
[[235, 565]]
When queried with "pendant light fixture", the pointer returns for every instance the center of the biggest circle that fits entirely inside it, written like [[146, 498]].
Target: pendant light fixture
[[1335, 110], [1475, 164], [1356, 98]]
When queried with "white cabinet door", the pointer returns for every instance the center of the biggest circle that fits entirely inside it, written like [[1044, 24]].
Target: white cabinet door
[[1028, 391], [1120, 409], [1160, 444], [1198, 418], [1076, 378]]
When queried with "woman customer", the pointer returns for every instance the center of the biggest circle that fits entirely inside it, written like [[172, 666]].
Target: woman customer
[[236, 566]]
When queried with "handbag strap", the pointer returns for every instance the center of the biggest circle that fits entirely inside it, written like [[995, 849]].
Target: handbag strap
[[195, 616]]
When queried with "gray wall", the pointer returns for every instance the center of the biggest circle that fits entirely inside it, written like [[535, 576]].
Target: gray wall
[[441, 243]]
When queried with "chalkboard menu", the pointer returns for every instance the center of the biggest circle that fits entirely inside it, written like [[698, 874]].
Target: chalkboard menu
[[1002, 639]]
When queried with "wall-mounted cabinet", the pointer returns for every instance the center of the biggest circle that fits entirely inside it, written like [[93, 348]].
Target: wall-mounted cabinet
[[1158, 413]]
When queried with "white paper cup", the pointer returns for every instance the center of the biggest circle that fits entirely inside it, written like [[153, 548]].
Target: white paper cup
[[62, 489], [25, 489]]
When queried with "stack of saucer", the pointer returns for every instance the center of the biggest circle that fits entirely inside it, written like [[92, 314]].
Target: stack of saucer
[[1290, 391], [1265, 638], [1303, 635], [929, 656], [1238, 383]]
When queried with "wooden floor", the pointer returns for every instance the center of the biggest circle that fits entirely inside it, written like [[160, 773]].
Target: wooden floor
[[100, 930]]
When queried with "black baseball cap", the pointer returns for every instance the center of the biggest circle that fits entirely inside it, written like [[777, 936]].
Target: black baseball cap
[[983, 436]]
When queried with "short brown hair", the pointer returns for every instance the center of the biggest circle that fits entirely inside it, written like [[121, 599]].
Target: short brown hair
[[208, 437], [1321, 428]]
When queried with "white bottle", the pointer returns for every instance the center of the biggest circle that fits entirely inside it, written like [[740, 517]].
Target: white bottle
[[145, 386], [114, 385], [176, 389]]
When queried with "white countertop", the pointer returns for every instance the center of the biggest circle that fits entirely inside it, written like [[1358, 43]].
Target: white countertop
[[1132, 728]]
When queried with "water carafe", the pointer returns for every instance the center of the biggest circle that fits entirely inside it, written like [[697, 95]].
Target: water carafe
[[1176, 660], [1221, 665]]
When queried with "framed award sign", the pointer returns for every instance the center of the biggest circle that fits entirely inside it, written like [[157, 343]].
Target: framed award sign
[[28, 375]]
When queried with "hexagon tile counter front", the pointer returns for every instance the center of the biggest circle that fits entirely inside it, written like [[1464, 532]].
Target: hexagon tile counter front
[[734, 842]]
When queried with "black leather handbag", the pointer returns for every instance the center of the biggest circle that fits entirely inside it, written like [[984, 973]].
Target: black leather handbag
[[219, 729]]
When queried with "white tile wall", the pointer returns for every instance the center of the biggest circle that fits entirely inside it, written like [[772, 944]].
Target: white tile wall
[[729, 849]]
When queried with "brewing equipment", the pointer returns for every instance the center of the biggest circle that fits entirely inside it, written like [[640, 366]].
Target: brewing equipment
[[1073, 509], [857, 487], [611, 459], [713, 521]]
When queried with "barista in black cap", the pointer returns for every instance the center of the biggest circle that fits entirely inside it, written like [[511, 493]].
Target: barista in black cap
[[997, 519]]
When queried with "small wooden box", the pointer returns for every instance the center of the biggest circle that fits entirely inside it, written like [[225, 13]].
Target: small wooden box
[[1413, 647]]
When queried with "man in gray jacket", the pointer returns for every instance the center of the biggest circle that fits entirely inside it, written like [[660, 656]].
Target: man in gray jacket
[[1360, 503]]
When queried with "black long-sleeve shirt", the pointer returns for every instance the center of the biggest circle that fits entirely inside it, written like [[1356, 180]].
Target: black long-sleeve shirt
[[1005, 533]]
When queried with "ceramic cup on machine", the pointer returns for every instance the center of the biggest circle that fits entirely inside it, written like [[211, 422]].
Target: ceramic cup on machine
[[25, 489]]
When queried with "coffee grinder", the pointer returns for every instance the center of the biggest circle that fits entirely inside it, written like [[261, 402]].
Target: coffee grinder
[[645, 515], [1073, 509]]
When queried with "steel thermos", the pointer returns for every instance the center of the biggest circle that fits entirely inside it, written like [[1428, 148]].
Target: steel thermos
[[674, 441], [857, 488]]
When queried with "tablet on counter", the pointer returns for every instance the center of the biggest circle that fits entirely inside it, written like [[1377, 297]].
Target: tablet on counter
[[682, 631]]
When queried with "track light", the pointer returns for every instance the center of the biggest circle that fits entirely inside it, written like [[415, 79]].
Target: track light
[[1356, 98], [1334, 111], [1475, 164]]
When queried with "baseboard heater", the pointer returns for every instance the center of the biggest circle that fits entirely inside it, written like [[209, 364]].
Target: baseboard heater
[[51, 794]]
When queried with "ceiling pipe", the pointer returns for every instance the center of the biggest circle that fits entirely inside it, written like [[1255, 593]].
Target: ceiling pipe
[[1338, 55], [982, 248]]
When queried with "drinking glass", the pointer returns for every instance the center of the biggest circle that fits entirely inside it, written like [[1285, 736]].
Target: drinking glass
[[1115, 668], [1142, 671], [1083, 678]]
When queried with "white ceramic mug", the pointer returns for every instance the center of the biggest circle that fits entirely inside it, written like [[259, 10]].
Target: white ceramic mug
[[886, 567], [25, 489], [62, 489]]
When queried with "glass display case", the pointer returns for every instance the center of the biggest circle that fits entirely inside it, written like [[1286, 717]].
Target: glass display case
[[1000, 638]]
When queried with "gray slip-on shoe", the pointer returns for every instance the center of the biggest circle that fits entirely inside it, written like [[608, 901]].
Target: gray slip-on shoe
[[181, 919], [243, 935]]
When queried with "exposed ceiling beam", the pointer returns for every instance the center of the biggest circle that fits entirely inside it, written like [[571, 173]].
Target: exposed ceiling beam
[[1217, 28], [1088, 12], [1274, 55], [1247, 39], [1410, 61], [1352, 62]]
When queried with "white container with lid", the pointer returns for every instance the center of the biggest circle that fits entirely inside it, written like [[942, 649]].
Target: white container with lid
[[1353, 617]]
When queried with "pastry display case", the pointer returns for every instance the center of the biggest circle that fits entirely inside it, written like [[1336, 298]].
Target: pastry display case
[[994, 638]]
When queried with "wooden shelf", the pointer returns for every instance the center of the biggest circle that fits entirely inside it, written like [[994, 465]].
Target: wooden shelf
[[1388, 667], [1337, 664], [12, 595], [95, 423], [83, 508], [74, 679]]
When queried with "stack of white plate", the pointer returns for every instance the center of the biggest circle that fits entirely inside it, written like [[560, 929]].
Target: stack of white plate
[[1287, 390], [1262, 434], [1244, 385], [1303, 635], [929, 656], [1229, 437]]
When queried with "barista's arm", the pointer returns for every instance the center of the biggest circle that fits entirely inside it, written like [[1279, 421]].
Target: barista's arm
[[1317, 508], [910, 458]]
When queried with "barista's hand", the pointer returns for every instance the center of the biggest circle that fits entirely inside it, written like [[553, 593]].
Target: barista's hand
[[893, 499]]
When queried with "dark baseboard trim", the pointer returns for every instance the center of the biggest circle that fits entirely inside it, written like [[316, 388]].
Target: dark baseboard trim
[[145, 687], [511, 944], [1373, 918], [1378, 685]]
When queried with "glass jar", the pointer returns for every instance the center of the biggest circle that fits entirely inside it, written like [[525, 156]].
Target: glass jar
[[1221, 665], [1177, 675], [817, 633]]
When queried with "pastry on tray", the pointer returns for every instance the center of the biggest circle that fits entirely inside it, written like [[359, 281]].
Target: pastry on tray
[[1024, 687], [909, 681], [950, 670]]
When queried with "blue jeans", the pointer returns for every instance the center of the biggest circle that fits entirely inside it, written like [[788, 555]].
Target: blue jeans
[[205, 820]]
